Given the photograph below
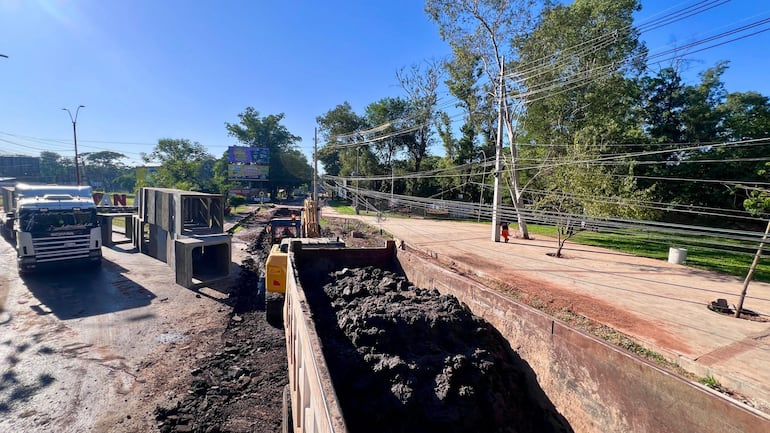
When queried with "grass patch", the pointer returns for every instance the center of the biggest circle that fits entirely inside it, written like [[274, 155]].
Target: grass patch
[[342, 207], [732, 257], [711, 382]]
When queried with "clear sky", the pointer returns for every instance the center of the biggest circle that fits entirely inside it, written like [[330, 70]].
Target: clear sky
[[151, 69]]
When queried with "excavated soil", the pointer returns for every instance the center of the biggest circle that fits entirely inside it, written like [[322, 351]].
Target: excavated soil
[[405, 359], [239, 388]]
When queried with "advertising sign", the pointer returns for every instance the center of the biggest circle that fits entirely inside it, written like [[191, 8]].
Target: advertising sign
[[248, 155], [248, 172], [248, 163]]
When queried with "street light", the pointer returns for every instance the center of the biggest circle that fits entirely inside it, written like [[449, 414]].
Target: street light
[[75, 138]]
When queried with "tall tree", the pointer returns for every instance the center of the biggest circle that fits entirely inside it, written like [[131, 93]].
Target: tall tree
[[337, 129], [55, 169], [104, 167], [486, 29], [396, 132], [421, 86], [288, 167], [575, 69], [181, 164]]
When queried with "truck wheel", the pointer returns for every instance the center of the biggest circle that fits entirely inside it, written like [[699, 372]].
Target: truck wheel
[[287, 423]]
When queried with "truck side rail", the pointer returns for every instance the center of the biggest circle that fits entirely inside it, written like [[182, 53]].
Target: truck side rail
[[314, 403]]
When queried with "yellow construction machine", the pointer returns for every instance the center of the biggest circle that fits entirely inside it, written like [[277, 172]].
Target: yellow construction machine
[[284, 232]]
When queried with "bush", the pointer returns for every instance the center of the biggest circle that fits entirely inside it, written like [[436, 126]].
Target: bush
[[235, 201]]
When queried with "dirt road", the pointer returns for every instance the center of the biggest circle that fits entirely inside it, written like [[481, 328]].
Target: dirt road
[[85, 349]]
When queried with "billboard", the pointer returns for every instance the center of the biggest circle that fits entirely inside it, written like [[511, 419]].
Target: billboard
[[247, 172], [248, 155], [248, 163]]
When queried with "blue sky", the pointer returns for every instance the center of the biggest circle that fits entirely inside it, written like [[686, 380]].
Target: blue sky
[[151, 69]]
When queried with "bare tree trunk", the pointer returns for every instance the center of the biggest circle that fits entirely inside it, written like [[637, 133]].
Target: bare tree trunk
[[516, 196]]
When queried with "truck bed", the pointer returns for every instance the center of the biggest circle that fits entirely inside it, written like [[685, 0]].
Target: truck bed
[[575, 381]]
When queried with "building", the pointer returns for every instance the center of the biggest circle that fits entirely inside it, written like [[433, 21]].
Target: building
[[23, 168]]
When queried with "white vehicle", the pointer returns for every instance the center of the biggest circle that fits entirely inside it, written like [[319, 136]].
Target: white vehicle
[[51, 223]]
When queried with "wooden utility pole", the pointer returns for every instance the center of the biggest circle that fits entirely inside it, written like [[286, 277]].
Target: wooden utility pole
[[751, 270]]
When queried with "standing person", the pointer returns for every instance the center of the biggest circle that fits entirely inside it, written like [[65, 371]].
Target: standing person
[[504, 227]]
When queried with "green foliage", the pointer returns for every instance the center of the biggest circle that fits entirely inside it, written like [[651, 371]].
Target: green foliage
[[710, 381], [184, 165], [338, 161], [236, 200]]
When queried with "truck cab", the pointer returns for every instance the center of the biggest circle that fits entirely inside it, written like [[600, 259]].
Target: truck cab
[[55, 224]]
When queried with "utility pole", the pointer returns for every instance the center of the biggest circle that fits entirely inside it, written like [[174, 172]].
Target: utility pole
[[496, 198], [75, 138], [483, 183], [315, 165], [355, 205]]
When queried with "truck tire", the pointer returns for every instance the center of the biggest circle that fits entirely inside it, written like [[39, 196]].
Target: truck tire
[[287, 423]]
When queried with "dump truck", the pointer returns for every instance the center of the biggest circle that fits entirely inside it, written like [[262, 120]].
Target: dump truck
[[565, 379], [51, 224]]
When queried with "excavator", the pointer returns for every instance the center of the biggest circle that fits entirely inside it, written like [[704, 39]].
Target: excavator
[[284, 232]]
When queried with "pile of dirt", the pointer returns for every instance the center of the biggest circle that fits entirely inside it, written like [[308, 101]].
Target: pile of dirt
[[237, 389], [405, 359]]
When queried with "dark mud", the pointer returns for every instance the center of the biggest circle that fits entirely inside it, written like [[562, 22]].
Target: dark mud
[[405, 359], [238, 388]]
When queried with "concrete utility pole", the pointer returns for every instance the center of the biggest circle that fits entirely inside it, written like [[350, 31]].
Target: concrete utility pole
[[315, 165], [75, 138], [496, 197]]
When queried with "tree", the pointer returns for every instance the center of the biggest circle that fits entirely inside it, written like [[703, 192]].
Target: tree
[[181, 164], [421, 87], [288, 167], [104, 166], [396, 132], [235, 201], [579, 190], [573, 67], [53, 168], [487, 29], [336, 157]]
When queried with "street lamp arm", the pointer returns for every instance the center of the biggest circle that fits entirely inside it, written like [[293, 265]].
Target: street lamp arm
[[68, 112]]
